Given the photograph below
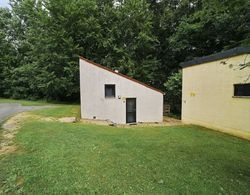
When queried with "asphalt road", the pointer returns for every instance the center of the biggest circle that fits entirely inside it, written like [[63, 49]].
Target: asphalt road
[[9, 109]]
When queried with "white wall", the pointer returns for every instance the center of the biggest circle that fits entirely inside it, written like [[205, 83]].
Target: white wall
[[149, 103]]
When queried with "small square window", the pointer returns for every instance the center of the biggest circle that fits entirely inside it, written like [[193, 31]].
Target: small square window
[[242, 89], [109, 91]]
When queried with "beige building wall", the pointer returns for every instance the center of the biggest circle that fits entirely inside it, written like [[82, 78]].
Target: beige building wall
[[149, 103], [207, 96]]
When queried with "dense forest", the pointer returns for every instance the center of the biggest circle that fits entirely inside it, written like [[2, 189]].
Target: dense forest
[[40, 40]]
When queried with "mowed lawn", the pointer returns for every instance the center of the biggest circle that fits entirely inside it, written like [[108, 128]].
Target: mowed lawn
[[60, 158]]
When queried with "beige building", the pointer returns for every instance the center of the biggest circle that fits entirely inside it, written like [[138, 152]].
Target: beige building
[[216, 92], [110, 95]]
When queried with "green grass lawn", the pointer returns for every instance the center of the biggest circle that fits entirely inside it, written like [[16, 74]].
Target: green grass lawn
[[59, 111], [24, 102], [60, 158], [33, 102]]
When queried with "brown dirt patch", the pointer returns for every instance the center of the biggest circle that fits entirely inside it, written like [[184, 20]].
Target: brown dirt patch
[[67, 119], [10, 128], [13, 124], [48, 119], [167, 121], [95, 121]]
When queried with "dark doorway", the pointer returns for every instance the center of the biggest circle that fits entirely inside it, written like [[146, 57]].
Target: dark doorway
[[130, 110]]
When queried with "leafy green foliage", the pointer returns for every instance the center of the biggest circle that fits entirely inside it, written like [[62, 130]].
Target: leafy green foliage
[[6, 48], [40, 40], [173, 86], [218, 25]]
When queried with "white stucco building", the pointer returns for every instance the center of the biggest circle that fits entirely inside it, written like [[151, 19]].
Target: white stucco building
[[109, 95]]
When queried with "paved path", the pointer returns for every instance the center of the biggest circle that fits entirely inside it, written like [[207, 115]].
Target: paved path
[[8, 109]]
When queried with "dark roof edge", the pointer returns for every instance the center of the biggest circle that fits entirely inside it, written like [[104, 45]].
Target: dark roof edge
[[221, 55], [122, 75]]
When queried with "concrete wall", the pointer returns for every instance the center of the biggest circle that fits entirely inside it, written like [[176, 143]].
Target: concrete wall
[[207, 96], [149, 103]]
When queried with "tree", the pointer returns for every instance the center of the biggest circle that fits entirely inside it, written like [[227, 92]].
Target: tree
[[129, 44], [7, 51], [40, 40], [173, 87], [213, 28]]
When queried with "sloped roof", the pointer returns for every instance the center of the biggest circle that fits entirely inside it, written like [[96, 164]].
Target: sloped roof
[[122, 75], [221, 55]]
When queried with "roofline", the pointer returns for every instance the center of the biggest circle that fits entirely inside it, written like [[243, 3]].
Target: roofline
[[122, 75], [221, 55]]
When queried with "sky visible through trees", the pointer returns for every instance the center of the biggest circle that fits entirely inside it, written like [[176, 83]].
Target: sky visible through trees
[[4, 3]]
